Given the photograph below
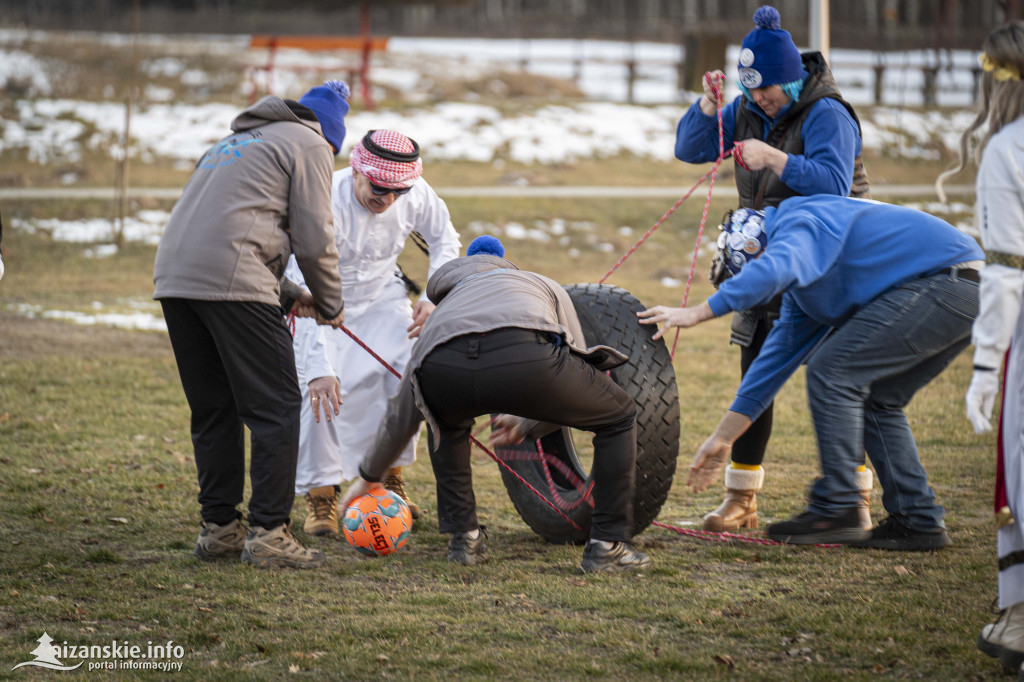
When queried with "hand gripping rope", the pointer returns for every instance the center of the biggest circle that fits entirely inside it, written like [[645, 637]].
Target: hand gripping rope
[[548, 461]]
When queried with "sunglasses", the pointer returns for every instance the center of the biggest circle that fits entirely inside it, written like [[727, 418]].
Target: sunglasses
[[382, 191]]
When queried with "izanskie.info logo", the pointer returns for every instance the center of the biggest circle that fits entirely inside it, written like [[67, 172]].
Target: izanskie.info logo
[[165, 657]]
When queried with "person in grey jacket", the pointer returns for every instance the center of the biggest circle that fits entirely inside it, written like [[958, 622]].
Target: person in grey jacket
[[525, 357], [256, 197]]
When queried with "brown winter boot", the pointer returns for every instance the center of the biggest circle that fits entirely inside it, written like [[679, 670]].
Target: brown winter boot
[[394, 482], [322, 511], [864, 484], [739, 509]]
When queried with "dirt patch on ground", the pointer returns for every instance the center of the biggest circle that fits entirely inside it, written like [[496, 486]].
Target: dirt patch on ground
[[24, 338]]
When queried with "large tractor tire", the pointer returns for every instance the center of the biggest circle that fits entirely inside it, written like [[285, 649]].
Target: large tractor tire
[[608, 317]]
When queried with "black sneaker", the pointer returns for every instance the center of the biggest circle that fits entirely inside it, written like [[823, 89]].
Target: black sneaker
[[893, 535], [814, 529], [620, 556], [468, 551]]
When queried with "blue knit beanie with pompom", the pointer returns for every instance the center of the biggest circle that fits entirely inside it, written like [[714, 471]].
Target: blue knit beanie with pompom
[[768, 55], [330, 104], [486, 244]]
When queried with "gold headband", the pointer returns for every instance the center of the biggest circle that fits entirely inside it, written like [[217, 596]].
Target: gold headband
[[1001, 72]]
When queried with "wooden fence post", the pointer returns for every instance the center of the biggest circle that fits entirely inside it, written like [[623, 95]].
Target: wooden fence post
[[931, 77], [703, 53], [879, 82]]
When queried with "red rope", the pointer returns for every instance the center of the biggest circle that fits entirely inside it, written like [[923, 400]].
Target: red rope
[[724, 536], [713, 173], [654, 227], [574, 480], [524, 482], [370, 351], [716, 537], [716, 89]]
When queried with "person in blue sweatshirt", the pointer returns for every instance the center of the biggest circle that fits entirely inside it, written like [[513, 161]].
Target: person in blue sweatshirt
[[877, 300], [792, 134]]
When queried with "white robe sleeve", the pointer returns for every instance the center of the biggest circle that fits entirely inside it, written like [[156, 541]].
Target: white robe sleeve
[[1000, 192], [435, 224]]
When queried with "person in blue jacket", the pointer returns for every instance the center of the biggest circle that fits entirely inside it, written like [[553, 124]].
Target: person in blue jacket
[[877, 300], [795, 136]]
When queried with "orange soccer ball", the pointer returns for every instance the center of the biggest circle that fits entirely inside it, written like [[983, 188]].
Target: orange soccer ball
[[377, 523]]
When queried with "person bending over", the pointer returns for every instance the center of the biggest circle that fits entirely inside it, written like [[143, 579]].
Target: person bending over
[[875, 317]]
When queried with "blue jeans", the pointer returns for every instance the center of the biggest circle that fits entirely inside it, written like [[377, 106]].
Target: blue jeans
[[861, 378]]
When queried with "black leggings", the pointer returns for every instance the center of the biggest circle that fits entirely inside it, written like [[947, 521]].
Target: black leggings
[[750, 447]]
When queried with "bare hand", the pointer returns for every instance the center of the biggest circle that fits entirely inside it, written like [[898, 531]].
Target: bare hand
[[508, 430], [303, 306], [711, 80], [708, 463], [358, 488], [333, 323], [757, 155], [674, 317], [420, 312], [325, 391]]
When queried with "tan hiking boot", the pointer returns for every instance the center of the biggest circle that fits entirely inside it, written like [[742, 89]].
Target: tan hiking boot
[[322, 507], [278, 548], [394, 482], [220, 542], [864, 483], [739, 508]]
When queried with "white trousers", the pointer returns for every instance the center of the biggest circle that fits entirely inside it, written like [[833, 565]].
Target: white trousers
[[1011, 536], [330, 452]]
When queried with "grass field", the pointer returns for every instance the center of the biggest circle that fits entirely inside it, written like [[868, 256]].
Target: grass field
[[100, 517], [98, 487]]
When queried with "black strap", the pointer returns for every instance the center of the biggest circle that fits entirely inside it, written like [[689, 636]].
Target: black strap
[[387, 154], [1011, 559], [420, 242], [410, 284], [970, 274]]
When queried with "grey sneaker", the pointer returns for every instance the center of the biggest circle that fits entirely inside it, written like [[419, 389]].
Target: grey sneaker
[[608, 557], [220, 542], [279, 548], [466, 551]]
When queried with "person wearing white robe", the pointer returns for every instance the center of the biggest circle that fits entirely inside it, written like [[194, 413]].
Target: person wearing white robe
[[336, 373], [998, 332]]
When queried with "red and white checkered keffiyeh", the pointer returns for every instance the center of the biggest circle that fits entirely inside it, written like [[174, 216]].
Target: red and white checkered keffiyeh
[[384, 172]]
